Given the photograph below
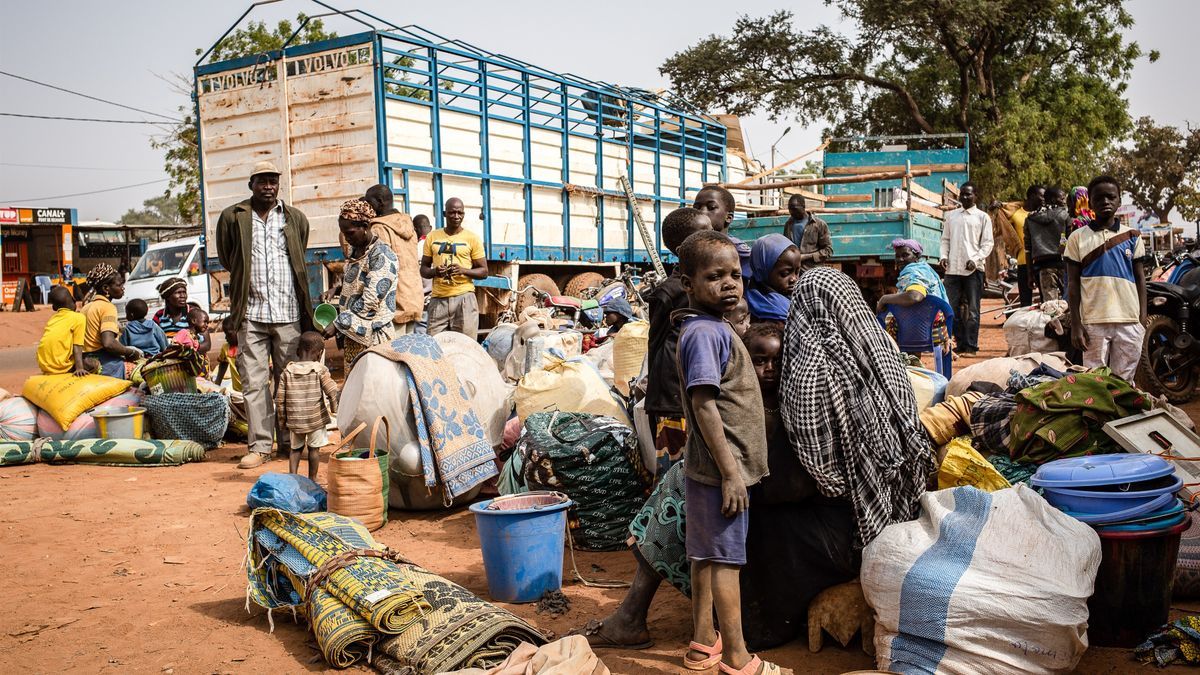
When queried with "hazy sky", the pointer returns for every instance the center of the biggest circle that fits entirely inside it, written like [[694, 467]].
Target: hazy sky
[[120, 51]]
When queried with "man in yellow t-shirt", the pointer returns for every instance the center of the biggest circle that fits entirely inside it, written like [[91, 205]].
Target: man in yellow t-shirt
[[453, 258], [1035, 197], [60, 351]]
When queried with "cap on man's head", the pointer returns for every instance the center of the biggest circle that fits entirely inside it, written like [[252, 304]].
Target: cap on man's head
[[264, 167]]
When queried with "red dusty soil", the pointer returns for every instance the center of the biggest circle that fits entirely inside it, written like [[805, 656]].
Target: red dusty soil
[[140, 570]]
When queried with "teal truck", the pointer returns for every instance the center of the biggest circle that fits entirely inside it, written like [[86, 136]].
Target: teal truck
[[872, 190]]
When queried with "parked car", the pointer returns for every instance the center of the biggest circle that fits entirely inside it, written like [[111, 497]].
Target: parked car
[[184, 258]]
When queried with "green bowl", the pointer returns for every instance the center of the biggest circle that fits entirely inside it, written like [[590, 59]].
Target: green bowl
[[324, 315]]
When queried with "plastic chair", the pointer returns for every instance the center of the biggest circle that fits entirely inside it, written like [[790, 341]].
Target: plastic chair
[[44, 285], [914, 330]]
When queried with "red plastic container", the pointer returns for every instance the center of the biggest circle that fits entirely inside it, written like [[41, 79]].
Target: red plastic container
[[1132, 597]]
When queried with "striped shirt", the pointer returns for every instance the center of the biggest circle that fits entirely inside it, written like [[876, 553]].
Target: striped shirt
[[302, 394], [272, 289], [1108, 291]]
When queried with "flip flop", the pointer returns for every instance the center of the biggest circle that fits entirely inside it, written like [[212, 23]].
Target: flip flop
[[751, 668], [598, 640], [713, 658]]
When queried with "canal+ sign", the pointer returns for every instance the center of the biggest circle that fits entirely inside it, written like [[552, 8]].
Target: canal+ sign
[[19, 216]]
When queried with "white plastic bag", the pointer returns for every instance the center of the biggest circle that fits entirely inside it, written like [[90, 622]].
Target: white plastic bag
[[602, 358], [1025, 330], [997, 370], [981, 583], [568, 385]]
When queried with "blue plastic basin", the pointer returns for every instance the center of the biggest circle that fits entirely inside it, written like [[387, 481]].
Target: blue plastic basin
[[1116, 514], [1110, 498], [522, 539]]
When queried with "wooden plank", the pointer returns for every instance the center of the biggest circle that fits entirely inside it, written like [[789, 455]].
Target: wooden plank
[[925, 193], [807, 194], [858, 210], [949, 188], [935, 211], [838, 180], [797, 158], [917, 169], [755, 208], [841, 199]]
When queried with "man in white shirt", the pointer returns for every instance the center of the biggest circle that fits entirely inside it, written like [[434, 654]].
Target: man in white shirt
[[261, 242], [966, 244]]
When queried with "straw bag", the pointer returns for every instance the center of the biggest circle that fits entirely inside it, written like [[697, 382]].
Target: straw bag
[[358, 478]]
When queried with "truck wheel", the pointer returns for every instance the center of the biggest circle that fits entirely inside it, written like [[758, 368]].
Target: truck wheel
[[539, 281], [1160, 358], [581, 282]]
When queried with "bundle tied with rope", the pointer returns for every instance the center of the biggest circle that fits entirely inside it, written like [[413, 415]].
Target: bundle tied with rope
[[364, 601]]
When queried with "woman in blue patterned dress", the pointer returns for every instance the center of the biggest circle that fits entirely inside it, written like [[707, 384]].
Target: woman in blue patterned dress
[[368, 298]]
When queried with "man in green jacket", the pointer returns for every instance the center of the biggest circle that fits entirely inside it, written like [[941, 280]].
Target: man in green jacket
[[261, 241]]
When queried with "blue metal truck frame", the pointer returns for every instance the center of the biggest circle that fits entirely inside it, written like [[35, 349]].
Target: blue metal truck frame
[[415, 65]]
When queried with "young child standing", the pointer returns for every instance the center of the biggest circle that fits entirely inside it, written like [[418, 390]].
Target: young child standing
[[60, 350], [1106, 287], [726, 450], [664, 402], [227, 360], [718, 204], [300, 401], [141, 332]]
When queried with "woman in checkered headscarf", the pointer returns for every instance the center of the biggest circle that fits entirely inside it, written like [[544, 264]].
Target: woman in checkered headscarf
[[848, 404]]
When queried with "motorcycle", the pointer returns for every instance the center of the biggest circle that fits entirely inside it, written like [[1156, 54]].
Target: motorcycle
[[1171, 349]]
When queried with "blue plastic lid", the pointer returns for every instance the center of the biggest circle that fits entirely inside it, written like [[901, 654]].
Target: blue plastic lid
[[1101, 470]]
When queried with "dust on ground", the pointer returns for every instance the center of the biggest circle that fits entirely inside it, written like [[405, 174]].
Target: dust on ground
[[140, 569]]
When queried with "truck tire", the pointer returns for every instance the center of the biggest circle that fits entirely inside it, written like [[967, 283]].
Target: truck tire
[[581, 282], [539, 281]]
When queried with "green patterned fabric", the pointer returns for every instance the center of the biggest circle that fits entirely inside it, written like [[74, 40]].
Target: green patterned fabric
[[109, 452], [659, 530], [596, 461], [1066, 417]]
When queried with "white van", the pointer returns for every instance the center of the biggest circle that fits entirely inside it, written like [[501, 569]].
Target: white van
[[184, 258]]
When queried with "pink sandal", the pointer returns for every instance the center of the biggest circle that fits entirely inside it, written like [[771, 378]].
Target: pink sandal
[[752, 667], [714, 655]]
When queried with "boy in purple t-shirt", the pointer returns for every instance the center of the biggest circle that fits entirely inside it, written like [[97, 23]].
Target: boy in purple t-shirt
[[726, 448]]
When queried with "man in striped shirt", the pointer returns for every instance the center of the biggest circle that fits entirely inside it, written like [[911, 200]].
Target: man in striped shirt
[[261, 241]]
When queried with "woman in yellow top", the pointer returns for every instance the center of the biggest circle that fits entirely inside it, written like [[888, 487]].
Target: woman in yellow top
[[101, 333]]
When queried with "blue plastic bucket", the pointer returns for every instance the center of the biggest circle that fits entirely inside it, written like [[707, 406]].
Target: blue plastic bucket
[[522, 538]]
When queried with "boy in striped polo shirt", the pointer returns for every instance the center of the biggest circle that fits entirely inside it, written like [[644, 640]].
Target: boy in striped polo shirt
[[1106, 287]]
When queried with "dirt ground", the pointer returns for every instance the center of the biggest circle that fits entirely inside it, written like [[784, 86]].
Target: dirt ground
[[140, 569]]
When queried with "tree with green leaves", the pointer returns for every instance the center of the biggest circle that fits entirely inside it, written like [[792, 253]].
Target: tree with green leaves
[[1160, 169], [160, 210], [1038, 84], [179, 144]]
